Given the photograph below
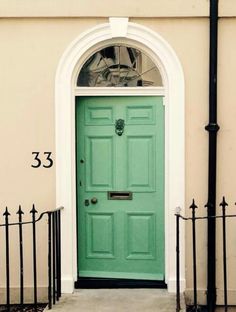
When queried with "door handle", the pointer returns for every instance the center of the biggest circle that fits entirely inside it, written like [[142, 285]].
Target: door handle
[[94, 200]]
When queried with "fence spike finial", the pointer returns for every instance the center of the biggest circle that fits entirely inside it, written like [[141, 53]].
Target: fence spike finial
[[20, 211], [193, 206], [33, 210], [6, 213], [223, 204]]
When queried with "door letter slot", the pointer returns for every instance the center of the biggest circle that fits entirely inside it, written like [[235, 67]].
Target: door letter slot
[[120, 195]]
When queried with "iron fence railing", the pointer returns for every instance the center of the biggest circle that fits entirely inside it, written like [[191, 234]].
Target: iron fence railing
[[53, 258], [193, 219]]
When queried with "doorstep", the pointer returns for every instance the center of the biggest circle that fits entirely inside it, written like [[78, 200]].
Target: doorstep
[[117, 300]]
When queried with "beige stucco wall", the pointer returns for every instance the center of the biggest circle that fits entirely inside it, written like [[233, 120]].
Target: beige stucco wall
[[92, 8], [30, 52], [226, 143], [132, 8]]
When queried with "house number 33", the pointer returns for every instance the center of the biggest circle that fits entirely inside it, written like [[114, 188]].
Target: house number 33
[[47, 160]]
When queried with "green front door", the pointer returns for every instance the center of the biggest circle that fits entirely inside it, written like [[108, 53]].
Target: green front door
[[120, 187]]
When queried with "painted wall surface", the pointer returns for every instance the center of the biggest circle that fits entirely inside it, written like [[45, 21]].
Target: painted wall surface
[[132, 8], [82, 8], [226, 145], [30, 52]]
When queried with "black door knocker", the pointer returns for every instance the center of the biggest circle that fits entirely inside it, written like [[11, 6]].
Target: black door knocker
[[120, 124]]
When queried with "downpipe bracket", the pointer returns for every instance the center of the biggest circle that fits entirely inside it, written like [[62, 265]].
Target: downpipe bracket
[[212, 127]]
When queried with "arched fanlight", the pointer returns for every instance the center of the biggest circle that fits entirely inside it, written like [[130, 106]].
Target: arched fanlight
[[119, 66]]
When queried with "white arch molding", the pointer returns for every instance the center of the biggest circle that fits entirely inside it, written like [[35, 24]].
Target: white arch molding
[[119, 30]]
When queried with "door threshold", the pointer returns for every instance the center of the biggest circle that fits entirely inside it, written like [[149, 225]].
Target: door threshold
[[93, 283]]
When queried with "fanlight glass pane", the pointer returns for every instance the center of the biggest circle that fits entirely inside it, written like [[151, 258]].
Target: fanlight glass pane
[[119, 66]]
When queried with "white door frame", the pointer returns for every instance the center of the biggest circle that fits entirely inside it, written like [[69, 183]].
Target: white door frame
[[119, 30]]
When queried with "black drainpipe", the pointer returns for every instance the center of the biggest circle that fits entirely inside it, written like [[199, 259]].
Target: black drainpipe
[[212, 128]]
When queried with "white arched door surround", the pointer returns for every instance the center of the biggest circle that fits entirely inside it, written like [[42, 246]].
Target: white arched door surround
[[119, 30]]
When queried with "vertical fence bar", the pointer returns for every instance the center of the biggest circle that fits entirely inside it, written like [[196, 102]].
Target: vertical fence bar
[[49, 261], [178, 307], [57, 255], [20, 213], [59, 252], [34, 211], [193, 207], [223, 204], [7, 214], [53, 258]]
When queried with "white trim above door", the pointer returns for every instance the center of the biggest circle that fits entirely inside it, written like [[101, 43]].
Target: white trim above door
[[119, 30], [120, 91]]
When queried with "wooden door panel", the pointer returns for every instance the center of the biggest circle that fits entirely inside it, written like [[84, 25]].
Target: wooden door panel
[[100, 235], [99, 163], [141, 163], [140, 115], [99, 115], [140, 239]]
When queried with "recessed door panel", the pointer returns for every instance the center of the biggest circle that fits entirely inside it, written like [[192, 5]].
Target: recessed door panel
[[120, 187], [141, 163], [140, 238], [140, 115], [100, 235], [99, 163], [98, 115]]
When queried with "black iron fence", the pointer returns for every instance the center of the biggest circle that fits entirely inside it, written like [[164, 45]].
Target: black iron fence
[[53, 244], [193, 219]]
